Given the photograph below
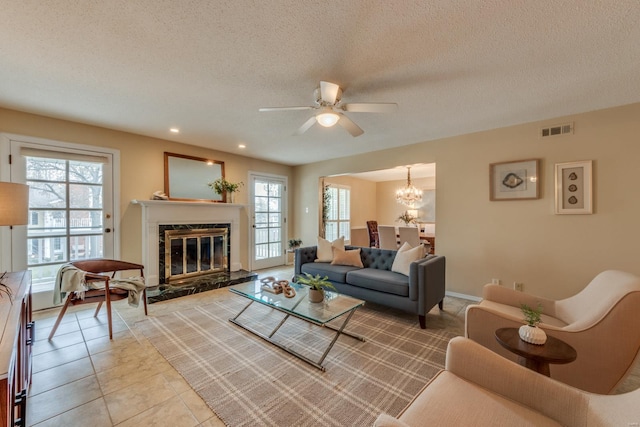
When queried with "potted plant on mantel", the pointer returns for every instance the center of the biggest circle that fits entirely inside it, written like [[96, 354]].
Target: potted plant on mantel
[[530, 332], [222, 186], [317, 284]]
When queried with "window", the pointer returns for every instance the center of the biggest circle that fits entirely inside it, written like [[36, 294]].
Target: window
[[339, 213]]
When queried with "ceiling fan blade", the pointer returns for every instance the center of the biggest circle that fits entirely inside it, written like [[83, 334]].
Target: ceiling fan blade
[[305, 127], [329, 92], [350, 126], [371, 107], [284, 108]]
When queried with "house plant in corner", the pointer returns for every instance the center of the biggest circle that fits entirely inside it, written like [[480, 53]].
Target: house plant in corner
[[222, 186], [317, 284], [530, 332], [294, 243]]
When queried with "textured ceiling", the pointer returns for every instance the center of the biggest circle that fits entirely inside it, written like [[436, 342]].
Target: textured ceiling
[[206, 67]]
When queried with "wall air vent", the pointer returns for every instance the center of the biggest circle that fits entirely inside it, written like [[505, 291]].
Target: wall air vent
[[557, 130]]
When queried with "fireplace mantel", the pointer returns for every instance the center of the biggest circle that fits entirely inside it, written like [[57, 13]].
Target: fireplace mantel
[[168, 212]]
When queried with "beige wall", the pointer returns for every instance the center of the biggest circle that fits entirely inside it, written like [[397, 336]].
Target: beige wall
[[141, 168], [553, 255]]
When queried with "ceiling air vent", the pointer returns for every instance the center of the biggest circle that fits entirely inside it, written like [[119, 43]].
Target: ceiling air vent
[[557, 130]]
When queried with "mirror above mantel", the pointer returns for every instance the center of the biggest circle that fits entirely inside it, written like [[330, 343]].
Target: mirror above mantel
[[187, 178]]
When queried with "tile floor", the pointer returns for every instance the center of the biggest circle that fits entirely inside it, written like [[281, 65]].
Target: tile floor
[[82, 378]]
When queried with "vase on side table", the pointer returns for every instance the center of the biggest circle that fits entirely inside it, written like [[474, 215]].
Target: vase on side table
[[532, 334]]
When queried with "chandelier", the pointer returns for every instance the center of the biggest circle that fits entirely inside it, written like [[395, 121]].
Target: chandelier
[[409, 194]]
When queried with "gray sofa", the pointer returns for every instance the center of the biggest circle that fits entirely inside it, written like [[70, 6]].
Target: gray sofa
[[417, 293]]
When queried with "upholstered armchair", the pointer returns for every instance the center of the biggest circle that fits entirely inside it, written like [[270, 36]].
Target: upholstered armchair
[[602, 322], [481, 388]]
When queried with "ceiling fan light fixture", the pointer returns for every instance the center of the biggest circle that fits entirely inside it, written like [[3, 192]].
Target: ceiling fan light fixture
[[327, 118]]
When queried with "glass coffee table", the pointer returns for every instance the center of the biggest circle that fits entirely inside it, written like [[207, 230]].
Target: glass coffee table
[[334, 306]]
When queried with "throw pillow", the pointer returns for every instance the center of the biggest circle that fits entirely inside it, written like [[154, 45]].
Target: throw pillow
[[406, 246], [325, 249], [350, 257], [405, 256]]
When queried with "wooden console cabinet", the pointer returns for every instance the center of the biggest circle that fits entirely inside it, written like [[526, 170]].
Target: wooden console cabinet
[[16, 340]]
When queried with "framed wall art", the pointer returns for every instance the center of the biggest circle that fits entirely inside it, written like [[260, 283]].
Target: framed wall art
[[574, 192], [515, 180]]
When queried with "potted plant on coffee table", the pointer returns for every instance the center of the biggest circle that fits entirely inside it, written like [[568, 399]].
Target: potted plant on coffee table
[[530, 332], [317, 284]]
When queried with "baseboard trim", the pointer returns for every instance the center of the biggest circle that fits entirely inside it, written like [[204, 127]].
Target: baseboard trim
[[463, 296]]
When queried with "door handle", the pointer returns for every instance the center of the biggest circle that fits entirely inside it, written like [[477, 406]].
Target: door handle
[[107, 230]]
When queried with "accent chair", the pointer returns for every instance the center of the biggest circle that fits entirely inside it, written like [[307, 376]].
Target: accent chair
[[602, 322], [481, 388]]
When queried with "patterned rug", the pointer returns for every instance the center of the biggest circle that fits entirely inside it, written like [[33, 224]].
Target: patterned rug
[[247, 381]]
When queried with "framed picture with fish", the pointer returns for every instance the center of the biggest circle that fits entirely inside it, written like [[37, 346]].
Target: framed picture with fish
[[574, 182], [514, 180]]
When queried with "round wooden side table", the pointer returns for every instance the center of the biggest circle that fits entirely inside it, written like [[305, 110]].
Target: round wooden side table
[[536, 357]]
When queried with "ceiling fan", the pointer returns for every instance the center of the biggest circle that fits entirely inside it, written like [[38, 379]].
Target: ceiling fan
[[329, 106]]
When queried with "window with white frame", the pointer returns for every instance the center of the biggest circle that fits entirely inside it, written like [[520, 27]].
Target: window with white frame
[[339, 212]]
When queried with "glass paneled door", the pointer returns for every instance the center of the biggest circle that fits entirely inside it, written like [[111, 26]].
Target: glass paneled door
[[268, 194], [70, 211]]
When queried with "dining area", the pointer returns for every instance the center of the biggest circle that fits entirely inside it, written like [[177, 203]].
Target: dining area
[[392, 236]]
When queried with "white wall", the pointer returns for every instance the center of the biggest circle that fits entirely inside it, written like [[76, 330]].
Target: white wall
[[524, 241]]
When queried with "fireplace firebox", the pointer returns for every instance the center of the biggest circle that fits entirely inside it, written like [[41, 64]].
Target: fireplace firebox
[[190, 253]]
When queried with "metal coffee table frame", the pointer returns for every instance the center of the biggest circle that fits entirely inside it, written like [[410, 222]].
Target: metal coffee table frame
[[334, 306]]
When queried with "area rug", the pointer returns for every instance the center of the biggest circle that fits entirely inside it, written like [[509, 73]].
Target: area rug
[[247, 381]]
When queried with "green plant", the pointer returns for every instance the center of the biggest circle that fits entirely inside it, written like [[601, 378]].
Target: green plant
[[531, 315], [294, 243], [221, 186], [316, 282], [326, 206]]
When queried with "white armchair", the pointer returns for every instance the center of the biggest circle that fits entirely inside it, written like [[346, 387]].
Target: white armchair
[[481, 388], [602, 322]]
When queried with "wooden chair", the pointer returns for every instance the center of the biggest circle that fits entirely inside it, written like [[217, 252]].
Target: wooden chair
[[372, 227], [95, 272]]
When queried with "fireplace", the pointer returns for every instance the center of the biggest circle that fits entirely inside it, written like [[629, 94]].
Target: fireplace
[[192, 250], [190, 247]]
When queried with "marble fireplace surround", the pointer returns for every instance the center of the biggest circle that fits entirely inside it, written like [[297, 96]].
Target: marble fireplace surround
[[167, 212]]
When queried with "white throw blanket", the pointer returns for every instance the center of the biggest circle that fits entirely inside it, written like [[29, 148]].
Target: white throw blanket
[[72, 279], [69, 279]]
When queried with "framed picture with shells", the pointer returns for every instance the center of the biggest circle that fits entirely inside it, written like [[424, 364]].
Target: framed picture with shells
[[574, 193], [515, 180]]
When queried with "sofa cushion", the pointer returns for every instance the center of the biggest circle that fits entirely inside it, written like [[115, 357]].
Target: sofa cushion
[[325, 249], [350, 257], [379, 280], [335, 273]]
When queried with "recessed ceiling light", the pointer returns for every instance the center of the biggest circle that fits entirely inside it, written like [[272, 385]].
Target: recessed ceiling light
[[174, 130], [242, 146]]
